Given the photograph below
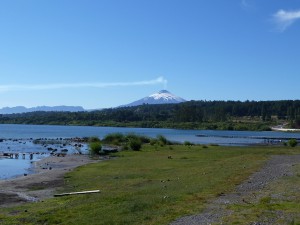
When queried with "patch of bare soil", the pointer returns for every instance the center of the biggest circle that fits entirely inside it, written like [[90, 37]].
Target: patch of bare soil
[[48, 177], [10, 198]]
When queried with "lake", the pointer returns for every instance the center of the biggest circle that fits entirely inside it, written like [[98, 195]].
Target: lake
[[195, 136], [19, 138]]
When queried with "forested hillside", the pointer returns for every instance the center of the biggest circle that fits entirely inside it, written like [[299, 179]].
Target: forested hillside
[[232, 115]]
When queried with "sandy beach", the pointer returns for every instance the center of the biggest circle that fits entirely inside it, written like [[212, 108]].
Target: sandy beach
[[48, 176]]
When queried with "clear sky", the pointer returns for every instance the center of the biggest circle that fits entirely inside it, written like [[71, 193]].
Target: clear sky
[[105, 53]]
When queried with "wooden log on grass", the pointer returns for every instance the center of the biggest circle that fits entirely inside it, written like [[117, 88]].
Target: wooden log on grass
[[77, 193]]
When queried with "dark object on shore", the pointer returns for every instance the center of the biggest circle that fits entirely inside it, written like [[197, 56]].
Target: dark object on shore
[[110, 149], [77, 193]]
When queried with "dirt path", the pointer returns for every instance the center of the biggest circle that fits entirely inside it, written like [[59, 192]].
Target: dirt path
[[48, 177], [246, 193]]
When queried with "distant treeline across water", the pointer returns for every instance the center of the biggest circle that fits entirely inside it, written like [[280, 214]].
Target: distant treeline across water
[[222, 115]]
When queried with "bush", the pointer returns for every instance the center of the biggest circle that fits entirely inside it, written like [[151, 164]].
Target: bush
[[145, 139], [130, 136], [94, 139], [292, 142], [135, 144], [163, 140], [115, 139], [95, 147], [153, 142], [188, 143]]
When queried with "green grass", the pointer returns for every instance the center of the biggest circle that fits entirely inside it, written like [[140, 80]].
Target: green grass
[[279, 197], [146, 187]]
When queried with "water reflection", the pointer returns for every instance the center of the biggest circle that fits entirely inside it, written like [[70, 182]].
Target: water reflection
[[12, 167]]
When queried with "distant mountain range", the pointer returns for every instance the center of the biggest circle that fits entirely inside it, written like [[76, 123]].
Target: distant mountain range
[[22, 109], [161, 97]]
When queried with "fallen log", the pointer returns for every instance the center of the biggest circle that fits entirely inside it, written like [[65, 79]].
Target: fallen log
[[77, 193]]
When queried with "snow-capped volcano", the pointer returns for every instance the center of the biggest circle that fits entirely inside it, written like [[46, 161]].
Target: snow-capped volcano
[[161, 97]]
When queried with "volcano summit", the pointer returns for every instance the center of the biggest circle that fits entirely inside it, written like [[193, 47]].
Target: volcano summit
[[161, 97]]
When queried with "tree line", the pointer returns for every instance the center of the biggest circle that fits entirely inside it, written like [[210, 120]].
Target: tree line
[[192, 114]]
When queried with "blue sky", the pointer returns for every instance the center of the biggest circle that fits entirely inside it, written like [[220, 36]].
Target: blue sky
[[105, 53]]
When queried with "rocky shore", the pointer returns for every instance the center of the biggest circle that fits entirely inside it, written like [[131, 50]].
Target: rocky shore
[[48, 176]]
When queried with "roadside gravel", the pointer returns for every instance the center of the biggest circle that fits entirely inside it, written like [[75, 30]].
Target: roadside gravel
[[245, 193]]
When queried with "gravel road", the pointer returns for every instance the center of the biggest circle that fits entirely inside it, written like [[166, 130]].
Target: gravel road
[[277, 167]]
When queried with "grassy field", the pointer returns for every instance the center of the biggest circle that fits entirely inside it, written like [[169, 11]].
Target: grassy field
[[152, 186], [281, 197]]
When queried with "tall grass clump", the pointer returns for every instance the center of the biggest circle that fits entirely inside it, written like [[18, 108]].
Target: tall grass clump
[[162, 140], [114, 139], [188, 143], [135, 144], [95, 146], [143, 139], [292, 142]]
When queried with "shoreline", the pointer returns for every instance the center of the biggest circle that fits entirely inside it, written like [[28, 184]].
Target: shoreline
[[47, 177], [285, 129]]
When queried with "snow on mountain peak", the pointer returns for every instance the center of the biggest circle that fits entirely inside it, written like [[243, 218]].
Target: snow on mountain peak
[[161, 97], [165, 95]]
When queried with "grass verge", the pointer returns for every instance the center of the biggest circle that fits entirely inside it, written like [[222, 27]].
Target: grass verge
[[278, 204], [152, 186]]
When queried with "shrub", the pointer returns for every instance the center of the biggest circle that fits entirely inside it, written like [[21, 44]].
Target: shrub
[[143, 139], [162, 139], [125, 147], [94, 139], [292, 142], [188, 143], [153, 142], [95, 147], [135, 144], [130, 136], [115, 139]]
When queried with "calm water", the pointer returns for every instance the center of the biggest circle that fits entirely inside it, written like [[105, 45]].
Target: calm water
[[203, 136], [10, 168], [18, 138]]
